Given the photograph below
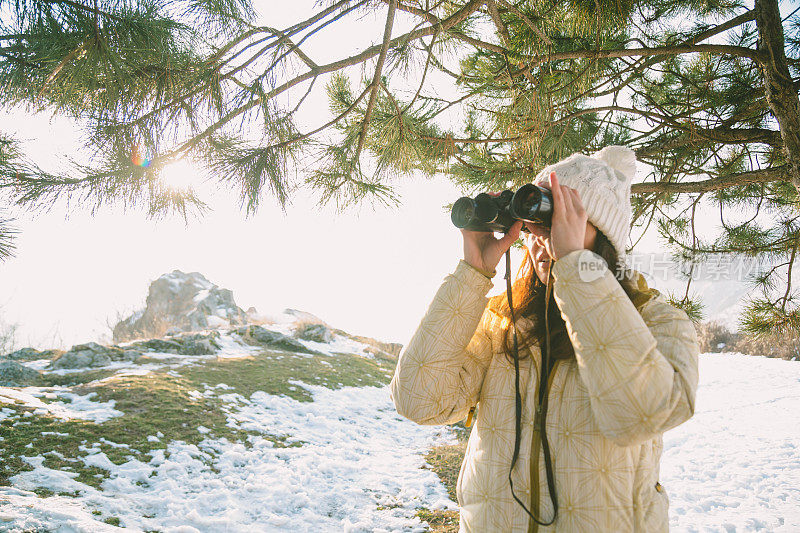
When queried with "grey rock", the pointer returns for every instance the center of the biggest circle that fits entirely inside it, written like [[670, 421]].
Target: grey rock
[[387, 349], [24, 354], [158, 345], [198, 343], [80, 359], [131, 355], [90, 346], [314, 332], [92, 355], [13, 374], [31, 354], [198, 347], [273, 339]]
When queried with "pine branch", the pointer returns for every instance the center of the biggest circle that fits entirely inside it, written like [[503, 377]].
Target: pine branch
[[714, 184], [356, 59], [376, 78], [528, 22]]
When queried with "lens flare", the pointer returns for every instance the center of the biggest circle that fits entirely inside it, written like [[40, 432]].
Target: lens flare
[[139, 159]]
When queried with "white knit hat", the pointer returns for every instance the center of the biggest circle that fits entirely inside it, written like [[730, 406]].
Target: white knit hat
[[604, 184]]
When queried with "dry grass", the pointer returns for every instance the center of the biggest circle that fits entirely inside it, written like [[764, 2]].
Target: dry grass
[[440, 521], [155, 327], [446, 461], [260, 321], [715, 337]]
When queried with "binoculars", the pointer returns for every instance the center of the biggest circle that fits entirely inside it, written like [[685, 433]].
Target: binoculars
[[498, 213]]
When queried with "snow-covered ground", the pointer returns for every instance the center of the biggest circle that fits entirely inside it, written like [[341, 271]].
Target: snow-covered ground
[[358, 469], [76, 406], [734, 467]]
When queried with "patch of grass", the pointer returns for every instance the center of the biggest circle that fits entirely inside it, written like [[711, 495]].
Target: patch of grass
[[271, 371], [440, 521], [160, 402], [112, 520], [151, 403], [76, 378], [461, 431], [163, 401], [18, 436], [446, 461]]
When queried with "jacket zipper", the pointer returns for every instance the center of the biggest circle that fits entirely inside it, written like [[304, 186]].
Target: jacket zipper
[[535, 449]]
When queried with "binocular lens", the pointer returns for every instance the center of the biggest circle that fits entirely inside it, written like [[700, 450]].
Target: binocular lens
[[533, 203], [463, 211], [480, 210]]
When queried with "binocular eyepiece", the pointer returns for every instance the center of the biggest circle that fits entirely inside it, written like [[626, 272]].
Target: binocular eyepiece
[[498, 213]]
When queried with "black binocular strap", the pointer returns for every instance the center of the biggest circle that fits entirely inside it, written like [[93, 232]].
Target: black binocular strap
[[541, 412]]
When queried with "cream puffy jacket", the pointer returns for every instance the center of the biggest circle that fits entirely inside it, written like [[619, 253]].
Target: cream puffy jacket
[[633, 377]]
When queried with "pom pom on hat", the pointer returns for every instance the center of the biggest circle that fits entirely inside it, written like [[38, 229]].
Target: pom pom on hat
[[604, 184], [620, 158]]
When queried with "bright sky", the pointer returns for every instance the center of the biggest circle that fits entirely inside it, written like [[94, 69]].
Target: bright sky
[[369, 272]]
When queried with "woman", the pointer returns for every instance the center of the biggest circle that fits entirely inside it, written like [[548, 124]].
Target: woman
[[581, 452]]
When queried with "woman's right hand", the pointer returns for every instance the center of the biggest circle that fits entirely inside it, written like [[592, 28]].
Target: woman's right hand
[[483, 251]]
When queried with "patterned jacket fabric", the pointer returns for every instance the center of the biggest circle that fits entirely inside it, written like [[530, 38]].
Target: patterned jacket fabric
[[633, 377]]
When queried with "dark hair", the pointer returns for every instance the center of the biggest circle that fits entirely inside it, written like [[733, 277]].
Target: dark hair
[[528, 294]]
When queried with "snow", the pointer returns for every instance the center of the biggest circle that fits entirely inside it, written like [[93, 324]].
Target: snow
[[232, 345], [339, 344], [215, 321], [79, 407], [41, 476], [115, 365], [735, 466], [200, 296], [356, 455], [176, 279], [38, 364]]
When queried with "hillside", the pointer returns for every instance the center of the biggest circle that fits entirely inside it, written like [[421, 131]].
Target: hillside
[[267, 431], [261, 439]]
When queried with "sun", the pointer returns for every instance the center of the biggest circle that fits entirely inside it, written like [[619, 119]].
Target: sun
[[180, 175]]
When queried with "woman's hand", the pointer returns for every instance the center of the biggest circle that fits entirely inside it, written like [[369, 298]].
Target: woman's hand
[[483, 251], [568, 227]]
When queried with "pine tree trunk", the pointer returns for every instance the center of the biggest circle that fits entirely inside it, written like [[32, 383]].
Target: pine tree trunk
[[780, 91]]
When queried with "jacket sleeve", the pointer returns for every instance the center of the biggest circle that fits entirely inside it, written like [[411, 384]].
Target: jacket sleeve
[[440, 372], [641, 370]]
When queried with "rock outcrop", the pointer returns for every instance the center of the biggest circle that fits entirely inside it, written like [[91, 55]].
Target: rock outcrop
[[93, 355], [258, 335], [375, 347], [314, 332], [31, 354], [13, 374], [186, 315], [179, 302]]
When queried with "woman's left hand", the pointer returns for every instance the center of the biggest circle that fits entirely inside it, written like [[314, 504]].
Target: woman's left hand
[[568, 227]]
